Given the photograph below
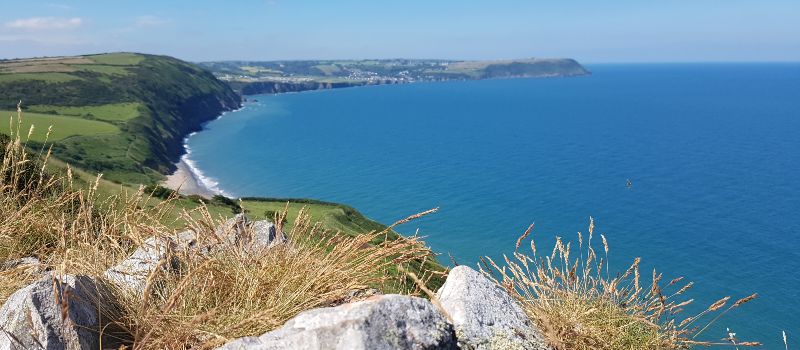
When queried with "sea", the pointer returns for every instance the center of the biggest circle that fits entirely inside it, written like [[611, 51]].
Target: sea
[[695, 168]]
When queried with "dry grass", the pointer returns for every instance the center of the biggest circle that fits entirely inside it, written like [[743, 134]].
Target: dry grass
[[578, 305], [73, 230], [209, 297], [47, 216], [233, 293]]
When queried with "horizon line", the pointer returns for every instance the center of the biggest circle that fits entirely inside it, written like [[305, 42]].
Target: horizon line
[[699, 61]]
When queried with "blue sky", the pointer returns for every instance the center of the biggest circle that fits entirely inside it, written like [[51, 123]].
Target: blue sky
[[588, 30]]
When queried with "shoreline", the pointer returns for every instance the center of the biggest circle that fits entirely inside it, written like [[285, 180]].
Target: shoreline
[[186, 182], [187, 179]]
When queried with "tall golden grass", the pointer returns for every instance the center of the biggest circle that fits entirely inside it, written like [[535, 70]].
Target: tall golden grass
[[573, 298], [210, 297]]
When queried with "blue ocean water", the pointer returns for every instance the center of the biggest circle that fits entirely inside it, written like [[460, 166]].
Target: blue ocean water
[[712, 151]]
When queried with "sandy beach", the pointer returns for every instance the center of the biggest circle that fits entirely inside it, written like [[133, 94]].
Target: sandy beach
[[185, 182]]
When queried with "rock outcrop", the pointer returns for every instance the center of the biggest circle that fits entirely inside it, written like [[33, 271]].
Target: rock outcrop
[[248, 236], [236, 233], [29, 263], [484, 315], [381, 322], [52, 313], [132, 273]]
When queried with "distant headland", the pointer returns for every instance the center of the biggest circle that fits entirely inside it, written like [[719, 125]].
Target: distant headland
[[257, 77]]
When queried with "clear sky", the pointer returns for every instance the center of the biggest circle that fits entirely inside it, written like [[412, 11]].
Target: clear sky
[[587, 30]]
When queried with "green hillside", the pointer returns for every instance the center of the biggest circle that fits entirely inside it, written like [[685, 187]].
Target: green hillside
[[120, 114]]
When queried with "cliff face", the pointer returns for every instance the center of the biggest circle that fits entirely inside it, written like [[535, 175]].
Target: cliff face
[[180, 97]]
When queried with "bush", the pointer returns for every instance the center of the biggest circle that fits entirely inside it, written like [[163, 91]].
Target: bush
[[159, 191], [274, 215], [222, 200]]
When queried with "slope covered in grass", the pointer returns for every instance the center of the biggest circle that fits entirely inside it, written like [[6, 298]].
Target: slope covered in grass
[[153, 102], [112, 112]]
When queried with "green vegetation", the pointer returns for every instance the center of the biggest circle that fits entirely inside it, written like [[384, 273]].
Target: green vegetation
[[118, 59], [153, 102], [104, 69], [44, 77], [333, 216], [110, 112], [62, 127]]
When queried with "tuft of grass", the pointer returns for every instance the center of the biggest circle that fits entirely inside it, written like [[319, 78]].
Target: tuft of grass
[[232, 293], [576, 302]]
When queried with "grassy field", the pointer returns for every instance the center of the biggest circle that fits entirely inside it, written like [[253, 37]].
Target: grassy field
[[117, 59], [50, 77], [63, 127], [104, 69], [109, 112], [332, 215]]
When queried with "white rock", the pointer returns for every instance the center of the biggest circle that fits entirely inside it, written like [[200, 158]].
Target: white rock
[[28, 265], [249, 236], [484, 315], [32, 318], [238, 232], [132, 273], [265, 235], [381, 322]]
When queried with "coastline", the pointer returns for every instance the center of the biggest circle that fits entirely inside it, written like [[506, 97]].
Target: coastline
[[187, 179]]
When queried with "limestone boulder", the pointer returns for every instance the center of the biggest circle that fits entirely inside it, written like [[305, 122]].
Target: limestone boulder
[[484, 315], [131, 274], [250, 236], [161, 251], [382, 323], [52, 313]]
